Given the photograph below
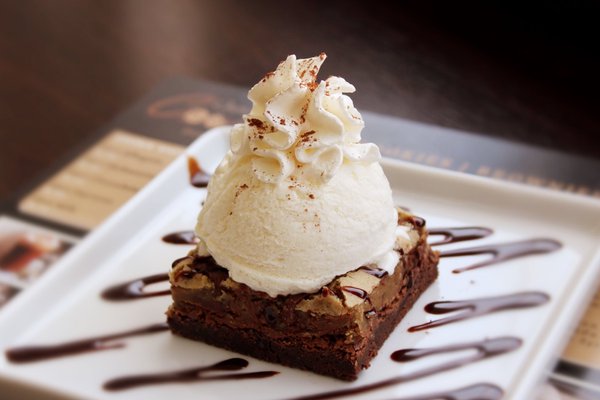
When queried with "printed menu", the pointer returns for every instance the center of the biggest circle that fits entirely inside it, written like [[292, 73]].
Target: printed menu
[[94, 185]]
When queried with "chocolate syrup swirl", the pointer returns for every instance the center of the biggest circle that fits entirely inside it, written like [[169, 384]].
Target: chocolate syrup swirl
[[189, 375], [504, 251], [198, 178], [453, 235], [27, 354], [484, 349], [134, 289], [183, 237], [478, 391], [477, 307]]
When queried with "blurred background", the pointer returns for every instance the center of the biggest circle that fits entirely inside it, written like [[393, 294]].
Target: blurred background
[[525, 71]]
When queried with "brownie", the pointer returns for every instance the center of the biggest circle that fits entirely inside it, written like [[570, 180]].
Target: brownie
[[336, 331]]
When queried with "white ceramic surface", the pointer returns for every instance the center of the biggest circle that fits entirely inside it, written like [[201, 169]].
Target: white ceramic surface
[[65, 304]]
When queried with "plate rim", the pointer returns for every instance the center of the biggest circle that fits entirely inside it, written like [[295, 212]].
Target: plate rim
[[556, 340]]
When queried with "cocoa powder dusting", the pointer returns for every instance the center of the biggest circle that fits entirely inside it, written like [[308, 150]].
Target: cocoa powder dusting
[[308, 137], [256, 123]]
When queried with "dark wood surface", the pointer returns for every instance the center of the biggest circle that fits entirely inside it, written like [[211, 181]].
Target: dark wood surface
[[522, 73]]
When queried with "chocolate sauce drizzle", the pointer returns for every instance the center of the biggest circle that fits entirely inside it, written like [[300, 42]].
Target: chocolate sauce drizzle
[[134, 289], [198, 178], [504, 251], [183, 237], [358, 292], [478, 391], [419, 221], [484, 349], [361, 293], [177, 261], [453, 235], [376, 272], [477, 307], [27, 354], [465, 309], [189, 375]]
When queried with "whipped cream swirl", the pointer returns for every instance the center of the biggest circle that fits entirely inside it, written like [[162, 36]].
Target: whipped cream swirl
[[299, 124]]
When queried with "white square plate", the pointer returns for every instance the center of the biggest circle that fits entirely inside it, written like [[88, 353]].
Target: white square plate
[[66, 304]]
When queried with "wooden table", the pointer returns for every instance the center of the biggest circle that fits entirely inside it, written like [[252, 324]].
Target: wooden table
[[522, 73]]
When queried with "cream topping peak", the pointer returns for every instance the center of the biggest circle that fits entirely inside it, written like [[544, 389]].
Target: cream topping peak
[[297, 123]]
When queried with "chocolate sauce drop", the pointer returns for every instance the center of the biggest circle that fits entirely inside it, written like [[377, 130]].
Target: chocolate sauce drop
[[189, 375], [358, 292], [177, 261], [183, 237], [484, 349], [376, 272], [477, 307], [28, 354], [478, 391], [419, 221], [361, 293], [198, 178], [134, 289], [504, 251], [453, 235]]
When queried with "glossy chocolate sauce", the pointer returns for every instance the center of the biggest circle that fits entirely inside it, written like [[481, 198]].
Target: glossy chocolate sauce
[[478, 391], [419, 221], [198, 178], [484, 349], [376, 272], [466, 309], [358, 292], [361, 293], [504, 251], [28, 354], [134, 289], [177, 261], [477, 307], [453, 235], [189, 375], [183, 237]]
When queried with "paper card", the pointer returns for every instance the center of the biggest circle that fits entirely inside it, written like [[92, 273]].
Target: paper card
[[99, 181], [584, 347]]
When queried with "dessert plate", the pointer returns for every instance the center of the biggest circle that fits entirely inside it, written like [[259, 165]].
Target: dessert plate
[[540, 293]]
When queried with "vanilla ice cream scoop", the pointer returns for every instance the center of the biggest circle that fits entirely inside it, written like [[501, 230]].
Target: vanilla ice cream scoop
[[298, 200]]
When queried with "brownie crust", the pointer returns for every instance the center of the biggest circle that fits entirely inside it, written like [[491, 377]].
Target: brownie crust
[[335, 332]]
